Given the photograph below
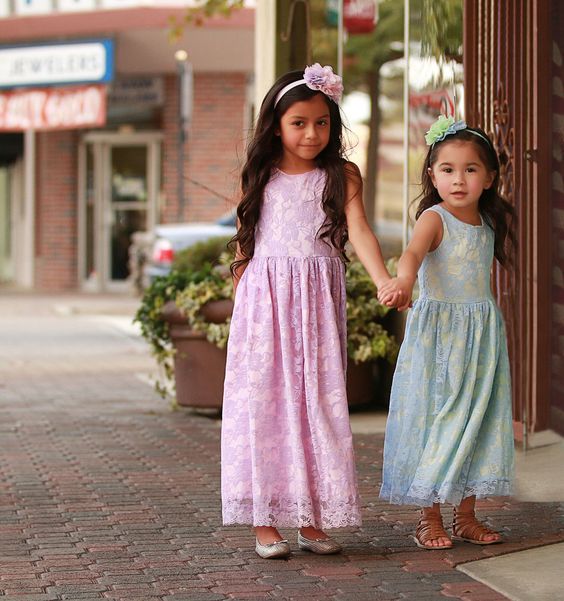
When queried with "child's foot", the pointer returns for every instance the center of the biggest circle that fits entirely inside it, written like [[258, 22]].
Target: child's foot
[[267, 535], [316, 541], [430, 533], [466, 527], [269, 544]]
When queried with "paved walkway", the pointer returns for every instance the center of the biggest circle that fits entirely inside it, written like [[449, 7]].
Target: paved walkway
[[107, 494]]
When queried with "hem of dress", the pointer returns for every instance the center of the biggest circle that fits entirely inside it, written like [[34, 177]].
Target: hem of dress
[[504, 489], [292, 524], [284, 524]]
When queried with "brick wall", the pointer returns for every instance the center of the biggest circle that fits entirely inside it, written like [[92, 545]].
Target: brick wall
[[56, 210], [214, 149], [558, 218], [212, 157]]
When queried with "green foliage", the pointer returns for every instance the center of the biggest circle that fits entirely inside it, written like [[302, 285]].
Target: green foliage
[[204, 9], [191, 290], [194, 257], [193, 277], [367, 339], [154, 328], [441, 29]]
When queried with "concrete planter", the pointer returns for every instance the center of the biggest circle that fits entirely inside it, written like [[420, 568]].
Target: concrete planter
[[199, 365]]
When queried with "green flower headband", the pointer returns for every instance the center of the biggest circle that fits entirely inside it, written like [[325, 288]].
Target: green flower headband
[[447, 126]]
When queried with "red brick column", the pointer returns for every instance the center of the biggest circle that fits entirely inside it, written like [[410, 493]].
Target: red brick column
[[214, 148], [56, 245]]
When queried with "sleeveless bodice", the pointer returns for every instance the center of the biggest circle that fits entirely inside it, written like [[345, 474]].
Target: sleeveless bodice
[[459, 269], [291, 216]]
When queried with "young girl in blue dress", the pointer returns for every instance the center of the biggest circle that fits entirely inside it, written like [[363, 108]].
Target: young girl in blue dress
[[449, 435]]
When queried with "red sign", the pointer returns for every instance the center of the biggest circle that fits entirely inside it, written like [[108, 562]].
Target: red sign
[[53, 108], [359, 16]]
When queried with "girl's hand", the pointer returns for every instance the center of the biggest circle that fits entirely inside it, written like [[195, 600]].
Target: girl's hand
[[396, 293]]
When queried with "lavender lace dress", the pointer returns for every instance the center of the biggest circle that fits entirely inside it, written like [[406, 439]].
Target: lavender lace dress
[[286, 449]]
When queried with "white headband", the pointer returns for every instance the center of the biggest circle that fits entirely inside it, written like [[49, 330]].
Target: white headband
[[287, 88], [320, 79]]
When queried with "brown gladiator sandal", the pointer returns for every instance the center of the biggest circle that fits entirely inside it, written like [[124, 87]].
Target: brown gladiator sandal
[[466, 527], [430, 528]]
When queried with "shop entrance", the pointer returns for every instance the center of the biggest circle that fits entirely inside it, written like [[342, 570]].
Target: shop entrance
[[119, 177]]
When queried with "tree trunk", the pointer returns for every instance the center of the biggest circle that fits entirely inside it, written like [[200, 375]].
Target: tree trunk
[[370, 190]]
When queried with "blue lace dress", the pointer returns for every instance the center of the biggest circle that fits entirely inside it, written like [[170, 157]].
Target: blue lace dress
[[449, 433]]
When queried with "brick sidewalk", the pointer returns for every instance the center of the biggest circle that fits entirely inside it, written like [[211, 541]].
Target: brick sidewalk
[[106, 494]]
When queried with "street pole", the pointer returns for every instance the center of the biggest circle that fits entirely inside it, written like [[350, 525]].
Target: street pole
[[184, 70]]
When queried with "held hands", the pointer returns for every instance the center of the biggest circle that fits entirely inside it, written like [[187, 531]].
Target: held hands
[[396, 292]]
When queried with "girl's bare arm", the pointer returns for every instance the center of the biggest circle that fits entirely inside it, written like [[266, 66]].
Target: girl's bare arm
[[427, 235], [361, 235]]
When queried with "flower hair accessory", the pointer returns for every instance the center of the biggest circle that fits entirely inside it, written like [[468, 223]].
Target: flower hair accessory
[[441, 128], [321, 79], [447, 126]]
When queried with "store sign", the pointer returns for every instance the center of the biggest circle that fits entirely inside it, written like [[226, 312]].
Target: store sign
[[359, 16], [55, 64], [140, 91], [33, 7], [53, 108], [25, 8], [123, 3], [76, 5]]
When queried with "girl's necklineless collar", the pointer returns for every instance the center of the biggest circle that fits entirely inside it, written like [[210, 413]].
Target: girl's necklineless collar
[[441, 206], [295, 174]]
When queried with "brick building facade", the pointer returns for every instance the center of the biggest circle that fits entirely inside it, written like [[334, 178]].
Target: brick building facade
[[70, 206]]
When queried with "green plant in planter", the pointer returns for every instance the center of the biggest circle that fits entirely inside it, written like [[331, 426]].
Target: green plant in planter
[[199, 275], [217, 286], [204, 277], [195, 257], [367, 339]]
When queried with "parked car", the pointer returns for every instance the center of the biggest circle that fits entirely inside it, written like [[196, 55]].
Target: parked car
[[171, 238]]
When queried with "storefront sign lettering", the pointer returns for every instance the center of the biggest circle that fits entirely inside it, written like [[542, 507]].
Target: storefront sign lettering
[[46, 109], [44, 65]]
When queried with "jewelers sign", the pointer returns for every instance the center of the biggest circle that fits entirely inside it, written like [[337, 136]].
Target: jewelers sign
[[53, 108], [86, 61]]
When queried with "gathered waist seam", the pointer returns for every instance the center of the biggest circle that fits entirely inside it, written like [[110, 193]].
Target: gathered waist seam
[[457, 302], [298, 257]]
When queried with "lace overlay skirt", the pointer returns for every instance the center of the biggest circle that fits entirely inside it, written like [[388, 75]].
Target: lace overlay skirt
[[287, 454], [449, 433]]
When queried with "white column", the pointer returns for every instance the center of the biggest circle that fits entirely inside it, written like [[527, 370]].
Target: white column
[[405, 212], [27, 276], [265, 49]]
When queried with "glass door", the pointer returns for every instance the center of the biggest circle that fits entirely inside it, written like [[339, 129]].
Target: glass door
[[127, 199], [120, 183]]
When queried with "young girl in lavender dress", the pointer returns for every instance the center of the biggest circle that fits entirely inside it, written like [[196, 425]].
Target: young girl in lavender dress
[[286, 451], [449, 436]]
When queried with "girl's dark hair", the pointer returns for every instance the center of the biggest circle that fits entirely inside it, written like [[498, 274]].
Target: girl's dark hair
[[264, 152], [495, 210]]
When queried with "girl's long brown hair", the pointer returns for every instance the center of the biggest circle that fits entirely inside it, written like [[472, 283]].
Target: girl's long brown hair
[[264, 153], [495, 210]]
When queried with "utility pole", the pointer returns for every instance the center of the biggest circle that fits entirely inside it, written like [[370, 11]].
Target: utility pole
[[185, 99]]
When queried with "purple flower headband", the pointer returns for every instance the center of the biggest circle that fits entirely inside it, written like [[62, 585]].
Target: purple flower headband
[[317, 78]]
